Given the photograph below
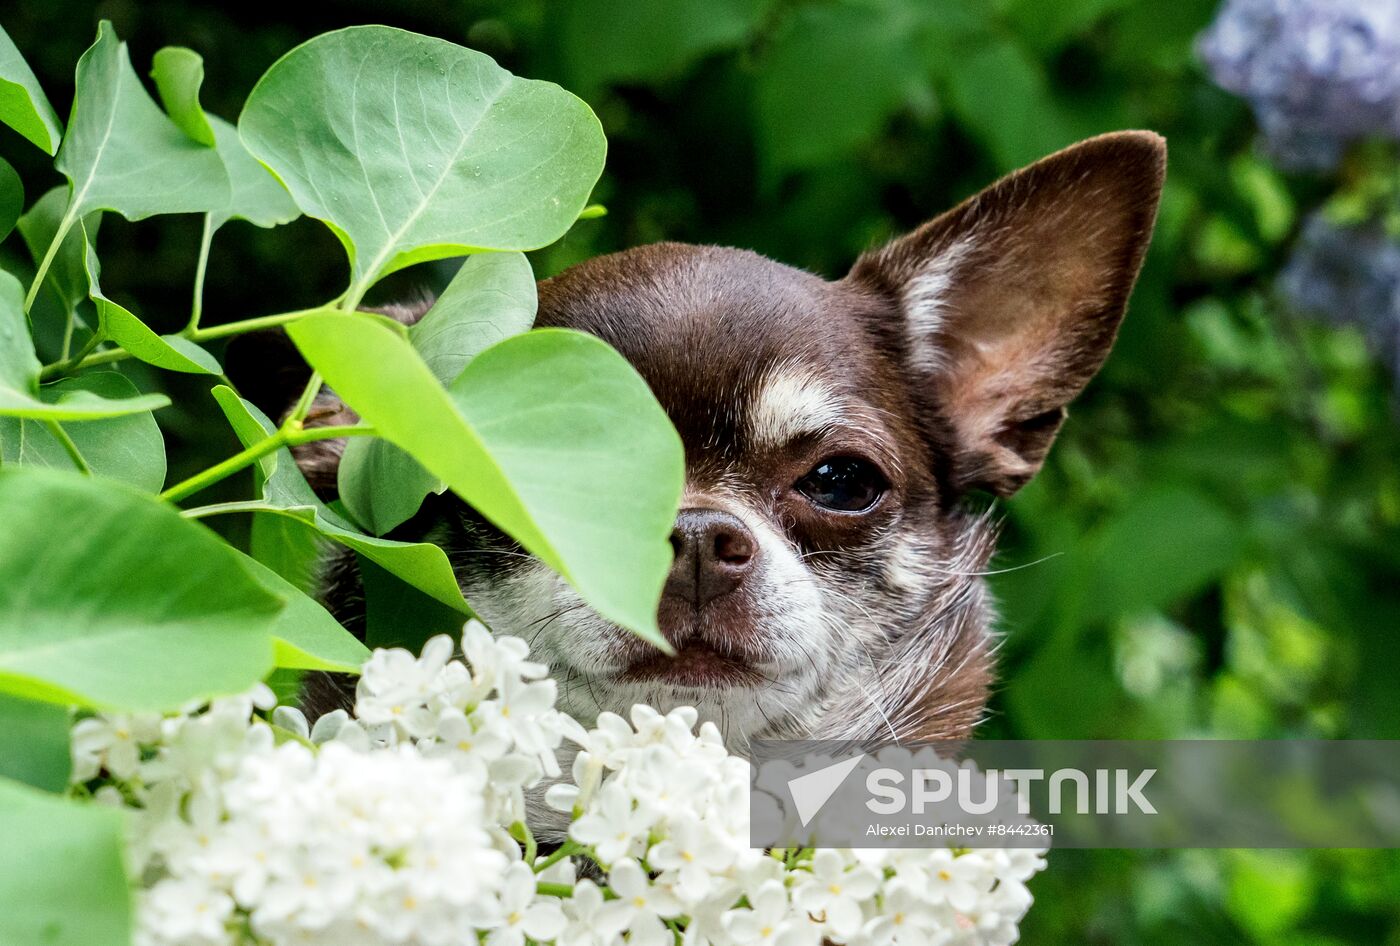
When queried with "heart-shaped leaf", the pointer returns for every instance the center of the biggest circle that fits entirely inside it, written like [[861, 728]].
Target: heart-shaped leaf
[[559, 411], [305, 636], [413, 148], [20, 394], [285, 492], [179, 72], [116, 323], [62, 880], [23, 105], [592, 456], [128, 448], [123, 154], [491, 298], [167, 612]]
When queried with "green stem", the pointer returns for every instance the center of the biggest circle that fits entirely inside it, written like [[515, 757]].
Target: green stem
[[89, 346], [81, 358], [67, 345], [350, 302], [200, 268], [287, 436], [49, 372], [247, 325], [303, 405], [522, 833], [64, 226], [221, 509], [566, 890], [565, 850], [199, 335], [74, 453]]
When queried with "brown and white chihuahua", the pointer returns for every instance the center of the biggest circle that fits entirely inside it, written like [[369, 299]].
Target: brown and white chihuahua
[[828, 571]]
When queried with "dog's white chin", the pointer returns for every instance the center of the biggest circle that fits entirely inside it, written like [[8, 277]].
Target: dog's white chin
[[584, 655], [742, 712]]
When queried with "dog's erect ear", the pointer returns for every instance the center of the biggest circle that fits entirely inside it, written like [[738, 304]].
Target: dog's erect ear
[[1012, 300]]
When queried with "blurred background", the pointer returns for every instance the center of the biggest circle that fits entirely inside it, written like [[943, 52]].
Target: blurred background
[[1213, 549]]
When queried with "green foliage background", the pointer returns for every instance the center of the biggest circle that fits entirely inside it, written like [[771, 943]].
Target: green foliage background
[[1213, 549]]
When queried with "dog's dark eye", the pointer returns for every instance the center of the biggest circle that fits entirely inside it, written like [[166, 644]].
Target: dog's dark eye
[[846, 484]]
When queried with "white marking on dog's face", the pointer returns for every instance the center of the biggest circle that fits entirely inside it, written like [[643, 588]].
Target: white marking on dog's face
[[907, 564], [792, 402]]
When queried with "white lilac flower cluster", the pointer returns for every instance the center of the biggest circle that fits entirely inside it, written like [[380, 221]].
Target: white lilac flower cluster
[[665, 810], [405, 823], [1318, 73]]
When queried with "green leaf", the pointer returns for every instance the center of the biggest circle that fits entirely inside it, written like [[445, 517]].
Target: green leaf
[[116, 323], [123, 154], [1003, 98], [290, 548], [20, 395], [62, 879], [305, 636], [67, 275], [412, 148], [23, 105], [491, 298], [286, 687], [254, 194], [128, 448], [1270, 892], [381, 485], [11, 198], [285, 492], [131, 607], [830, 80], [605, 41], [75, 403], [34, 743], [179, 72], [551, 435], [1167, 545], [399, 615], [19, 366], [592, 456], [1047, 26]]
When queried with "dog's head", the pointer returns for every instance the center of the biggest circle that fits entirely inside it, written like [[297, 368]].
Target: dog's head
[[827, 572]]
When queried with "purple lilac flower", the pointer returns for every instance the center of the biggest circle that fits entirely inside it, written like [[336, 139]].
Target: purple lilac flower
[[1318, 73], [1348, 276]]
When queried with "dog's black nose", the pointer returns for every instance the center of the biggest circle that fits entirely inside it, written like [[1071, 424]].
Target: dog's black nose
[[713, 553]]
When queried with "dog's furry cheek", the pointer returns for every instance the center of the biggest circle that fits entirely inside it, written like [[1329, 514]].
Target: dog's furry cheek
[[533, 603]]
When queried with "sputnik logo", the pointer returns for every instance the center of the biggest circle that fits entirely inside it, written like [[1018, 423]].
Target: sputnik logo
[[811, 791]]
